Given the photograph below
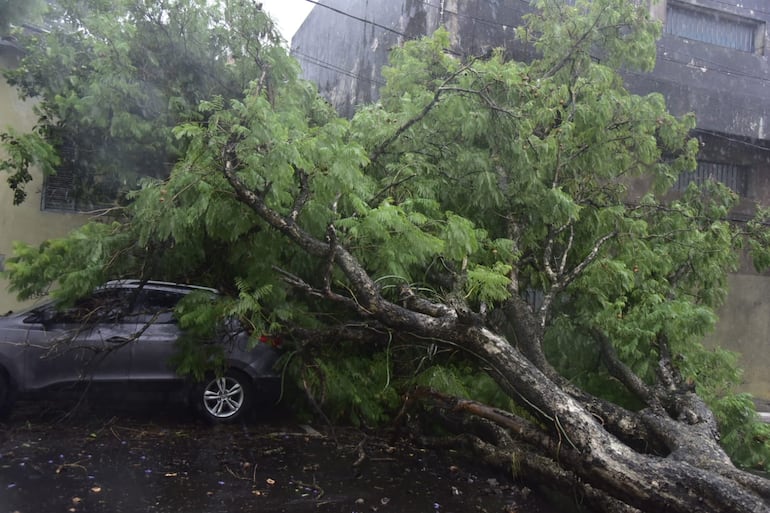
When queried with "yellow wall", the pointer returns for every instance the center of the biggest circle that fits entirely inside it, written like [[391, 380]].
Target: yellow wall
[[25, 222]]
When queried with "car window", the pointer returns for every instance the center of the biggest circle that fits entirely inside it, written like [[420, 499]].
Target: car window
[[156, 306], [103, 306]]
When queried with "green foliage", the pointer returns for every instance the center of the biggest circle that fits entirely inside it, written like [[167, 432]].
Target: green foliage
[[366, 387], [113, 79], [744, 436], [716, 373], [489, 285], [471, 180], [465, 381], [355, 389], [75, 264], [570, 33], [19, 12], [23, 151], [201, 317]]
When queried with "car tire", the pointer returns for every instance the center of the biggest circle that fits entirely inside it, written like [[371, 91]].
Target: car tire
[[226, 398], [6, 395]]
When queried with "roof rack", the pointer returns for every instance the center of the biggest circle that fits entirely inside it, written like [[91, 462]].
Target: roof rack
[[136, 283]]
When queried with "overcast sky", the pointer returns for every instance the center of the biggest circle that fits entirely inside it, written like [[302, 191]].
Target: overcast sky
[[288, 14]]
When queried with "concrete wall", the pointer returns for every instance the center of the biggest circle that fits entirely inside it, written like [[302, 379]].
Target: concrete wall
[[744, 327], [345, 56], [728, 90], [25, 222]]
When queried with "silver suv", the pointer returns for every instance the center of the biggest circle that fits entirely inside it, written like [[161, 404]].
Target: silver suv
[[124, 335]]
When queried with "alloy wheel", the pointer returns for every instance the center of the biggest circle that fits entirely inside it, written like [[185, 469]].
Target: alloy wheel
[[224, 397]]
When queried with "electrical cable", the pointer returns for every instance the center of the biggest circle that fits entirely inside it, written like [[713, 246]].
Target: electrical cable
[[712, 66], [332, 67], [363, 20]]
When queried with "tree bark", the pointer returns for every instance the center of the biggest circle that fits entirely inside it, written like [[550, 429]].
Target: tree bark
[[579, 436], [647, 482]]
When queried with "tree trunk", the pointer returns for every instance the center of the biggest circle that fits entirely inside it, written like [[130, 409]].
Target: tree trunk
[[696, 476], [593, 443]]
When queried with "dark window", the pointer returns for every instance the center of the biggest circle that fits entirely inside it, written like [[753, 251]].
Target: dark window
[[731, 175], [714, 27], [75, 190], [104, 306], [156, 306], [58, 191]]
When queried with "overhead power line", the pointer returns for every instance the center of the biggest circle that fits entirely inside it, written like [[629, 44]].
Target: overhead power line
[[333, 67], [708, 65], [712, 66], [362, 20]]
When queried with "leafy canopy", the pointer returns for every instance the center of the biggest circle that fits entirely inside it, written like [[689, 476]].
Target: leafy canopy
[[19, 12], [473, 182], [114, 77]]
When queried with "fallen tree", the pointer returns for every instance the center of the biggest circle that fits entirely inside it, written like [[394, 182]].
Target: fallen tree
[[583, 434], [484, 205]]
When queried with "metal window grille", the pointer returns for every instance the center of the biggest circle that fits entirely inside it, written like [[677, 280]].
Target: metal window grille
[[710, 26], [69, 192], [731, 175], [58, 191]]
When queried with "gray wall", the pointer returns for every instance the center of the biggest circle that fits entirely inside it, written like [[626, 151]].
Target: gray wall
[[727, 89]]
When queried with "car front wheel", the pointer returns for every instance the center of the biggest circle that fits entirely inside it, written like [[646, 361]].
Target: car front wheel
[[225, 398]]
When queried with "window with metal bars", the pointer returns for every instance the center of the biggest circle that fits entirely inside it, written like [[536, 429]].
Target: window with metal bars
[[58, 191], [70, 191], [731, 175], [714, 27]]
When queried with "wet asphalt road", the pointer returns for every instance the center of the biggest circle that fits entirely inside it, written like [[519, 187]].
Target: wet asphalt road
[[169, 461]]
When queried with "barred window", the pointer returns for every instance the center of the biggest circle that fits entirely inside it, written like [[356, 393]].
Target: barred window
[[58, 191], [72, 192], [714, 27], [731, 175]]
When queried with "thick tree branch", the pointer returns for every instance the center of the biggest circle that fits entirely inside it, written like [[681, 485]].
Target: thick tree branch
[[600, 459], [367, 295], [621, 371], [325, 293], [422, 305], [303, 196]]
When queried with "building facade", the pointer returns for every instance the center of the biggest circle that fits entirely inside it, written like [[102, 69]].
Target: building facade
[[28, 222], [712, 60]]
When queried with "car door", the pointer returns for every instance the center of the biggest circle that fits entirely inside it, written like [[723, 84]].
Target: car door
[[152, 352], [86, 343]]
